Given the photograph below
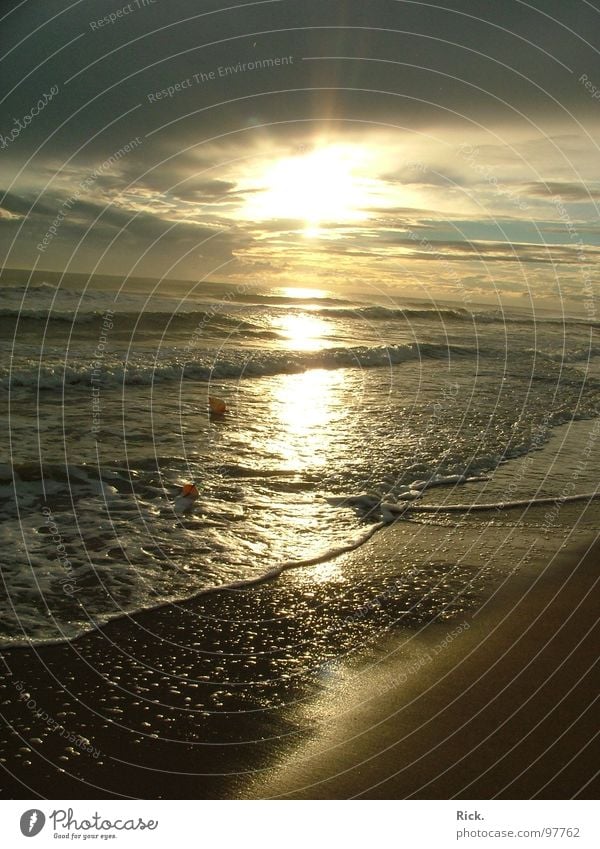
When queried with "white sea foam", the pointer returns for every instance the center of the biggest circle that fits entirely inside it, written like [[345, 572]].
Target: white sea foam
[[214, 365]]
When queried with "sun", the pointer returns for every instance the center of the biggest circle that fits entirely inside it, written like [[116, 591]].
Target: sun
[[320, 187]]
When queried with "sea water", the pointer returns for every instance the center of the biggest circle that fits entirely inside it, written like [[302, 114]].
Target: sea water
[[329, 396]]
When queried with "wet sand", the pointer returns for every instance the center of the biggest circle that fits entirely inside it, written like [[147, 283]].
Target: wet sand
[[506, 708], [487, 695]]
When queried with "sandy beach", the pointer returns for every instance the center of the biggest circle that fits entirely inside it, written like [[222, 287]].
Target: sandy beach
[[505, 708], [492, 698]]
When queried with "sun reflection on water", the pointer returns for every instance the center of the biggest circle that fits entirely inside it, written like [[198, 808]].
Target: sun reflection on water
[[302, 332], [299, 432], [305, 407], [301, 292]]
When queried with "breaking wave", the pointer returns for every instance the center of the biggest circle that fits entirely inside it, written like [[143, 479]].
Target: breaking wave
[[231, 364]]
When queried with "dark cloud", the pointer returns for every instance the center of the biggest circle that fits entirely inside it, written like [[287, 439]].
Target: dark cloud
[[422, 247], [413, 175], [190, 82], [565, 191], [434, 61], [498, 251], [207, 191], [24, 206]]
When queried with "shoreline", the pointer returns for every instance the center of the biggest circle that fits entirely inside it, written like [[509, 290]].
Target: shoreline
[[505, 710], [193, 701], [242, 584]]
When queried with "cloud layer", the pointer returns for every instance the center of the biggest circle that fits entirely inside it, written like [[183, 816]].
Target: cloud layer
[[472, 132]]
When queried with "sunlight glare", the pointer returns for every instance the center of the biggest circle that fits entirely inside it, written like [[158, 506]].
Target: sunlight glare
[[316, 187], [306, 405], [301, 292], [302, 332]]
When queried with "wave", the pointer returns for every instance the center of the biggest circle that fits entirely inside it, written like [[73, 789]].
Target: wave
[[213, 317], [256, 299], [25, 315], [501, 505], [209, 365], [453, 314], [195, 323], [574, 355], [380, 313], [25, 289], [72, 631], [231, 364], [388, 512], [78, 314]]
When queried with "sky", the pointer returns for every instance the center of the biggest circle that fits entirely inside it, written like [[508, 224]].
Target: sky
[[445, 150]]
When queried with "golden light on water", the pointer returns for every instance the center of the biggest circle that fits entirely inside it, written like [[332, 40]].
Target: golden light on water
[[302, 332], [302, 433], [305, 406], [303, 292]]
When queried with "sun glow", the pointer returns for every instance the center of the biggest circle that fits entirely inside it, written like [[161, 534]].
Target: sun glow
[[302, 292], [318, 187], [305, 405], [302, 332]]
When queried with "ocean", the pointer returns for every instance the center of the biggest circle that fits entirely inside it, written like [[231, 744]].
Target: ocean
[[336, 403]]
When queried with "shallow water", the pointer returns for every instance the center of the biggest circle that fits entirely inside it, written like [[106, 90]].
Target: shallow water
[[106, 395]]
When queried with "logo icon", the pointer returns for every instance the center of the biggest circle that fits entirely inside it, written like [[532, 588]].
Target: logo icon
[[32, 822]]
